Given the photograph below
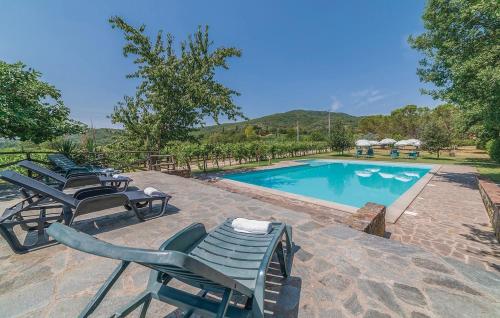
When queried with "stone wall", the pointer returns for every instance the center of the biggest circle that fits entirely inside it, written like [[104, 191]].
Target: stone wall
[[181, 173], [369, 219], [490, 192]]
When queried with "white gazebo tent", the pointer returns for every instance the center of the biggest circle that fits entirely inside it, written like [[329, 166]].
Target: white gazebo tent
[[402, 143], [363, 143], [414, 142], [387, 141]]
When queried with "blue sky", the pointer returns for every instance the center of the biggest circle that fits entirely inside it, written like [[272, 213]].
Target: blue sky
[[347, 56]]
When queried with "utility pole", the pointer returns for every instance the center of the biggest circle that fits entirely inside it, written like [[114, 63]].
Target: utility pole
[[329, 126], [297, 130]]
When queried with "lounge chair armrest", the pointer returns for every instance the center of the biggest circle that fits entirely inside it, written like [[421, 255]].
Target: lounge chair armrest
[[82, 180], [81, 174], [71, 171], [94, 191], [186, 239], [101, 202]]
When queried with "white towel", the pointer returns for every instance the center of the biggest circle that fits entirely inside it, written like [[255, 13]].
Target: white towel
[[153, 191], [251, 226], [118, 176]]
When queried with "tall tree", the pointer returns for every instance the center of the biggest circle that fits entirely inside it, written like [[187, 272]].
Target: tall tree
[[341, 137], [461, 50], [435, 136], [407, 120], [31, 109], [176, 91]]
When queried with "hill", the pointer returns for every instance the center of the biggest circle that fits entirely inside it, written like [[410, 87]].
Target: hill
[[308, 120], [103, 136]]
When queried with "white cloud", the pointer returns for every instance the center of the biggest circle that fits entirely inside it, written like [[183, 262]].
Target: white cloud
[[335, 104], [367, 96]]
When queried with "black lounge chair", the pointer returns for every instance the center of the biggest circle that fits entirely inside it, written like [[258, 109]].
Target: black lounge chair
[[222, 261], [41, 197], [76, 180], [68, 166]]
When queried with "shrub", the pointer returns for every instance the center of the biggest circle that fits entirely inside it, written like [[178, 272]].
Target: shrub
[[493, 148]]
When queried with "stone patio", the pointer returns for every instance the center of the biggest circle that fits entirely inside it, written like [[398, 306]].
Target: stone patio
[[449, 218], [337, 271]]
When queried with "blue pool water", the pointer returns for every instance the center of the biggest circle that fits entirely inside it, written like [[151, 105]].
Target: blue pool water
[[349, 183]]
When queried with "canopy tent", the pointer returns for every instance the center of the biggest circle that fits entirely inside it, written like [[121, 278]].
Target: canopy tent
[[363, 143], [373, 142], [387, 141], [402, 143], [414, 142]]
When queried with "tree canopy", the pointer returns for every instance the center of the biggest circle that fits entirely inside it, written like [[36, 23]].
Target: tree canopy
[[176, 91], [31, 109], [462, 58]]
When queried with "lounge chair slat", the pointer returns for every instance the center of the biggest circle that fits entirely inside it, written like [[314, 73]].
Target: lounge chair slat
[[242, 242], [236, 235], [250, 256], [236, 273], [225, 261], [235, 247], [227, 227]]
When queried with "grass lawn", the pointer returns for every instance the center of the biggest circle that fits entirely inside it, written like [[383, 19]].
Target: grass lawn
[[463, 156]]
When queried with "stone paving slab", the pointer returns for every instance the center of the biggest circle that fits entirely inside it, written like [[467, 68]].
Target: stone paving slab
[[449, 218], [337, 271]]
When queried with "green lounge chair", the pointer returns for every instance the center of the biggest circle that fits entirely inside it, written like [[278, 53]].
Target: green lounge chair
[[68, 166], [32, 212], [359, 153], [76, 180], [394, 154], [370, 153], [412, 155], [222, 260]]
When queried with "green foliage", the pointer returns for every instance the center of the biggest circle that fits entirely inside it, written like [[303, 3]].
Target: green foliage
[[31, 109], [462, 59], [409, 121], [404, 122], [435, 136], [65, 146], [493, 148], [176, 91], [282, 124], [186, 153], [341, 137]]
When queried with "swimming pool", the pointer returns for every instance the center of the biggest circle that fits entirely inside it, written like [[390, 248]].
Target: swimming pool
[[350, 183]]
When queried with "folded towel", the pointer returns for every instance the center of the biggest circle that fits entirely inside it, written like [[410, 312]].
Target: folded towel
[[153, 192], [251, 226], [118, 176]]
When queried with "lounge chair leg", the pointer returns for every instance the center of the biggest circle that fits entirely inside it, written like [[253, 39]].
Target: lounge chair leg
[[8, 234], [281, 259], [99, 296], [139, 215], [224, 303], [289, 250], [144, 298], [145, 307]]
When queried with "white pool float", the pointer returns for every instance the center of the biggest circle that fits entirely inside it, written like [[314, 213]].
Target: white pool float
[[373, 169], [386, 175], [411, 174], [363, 174], [402, 178]]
